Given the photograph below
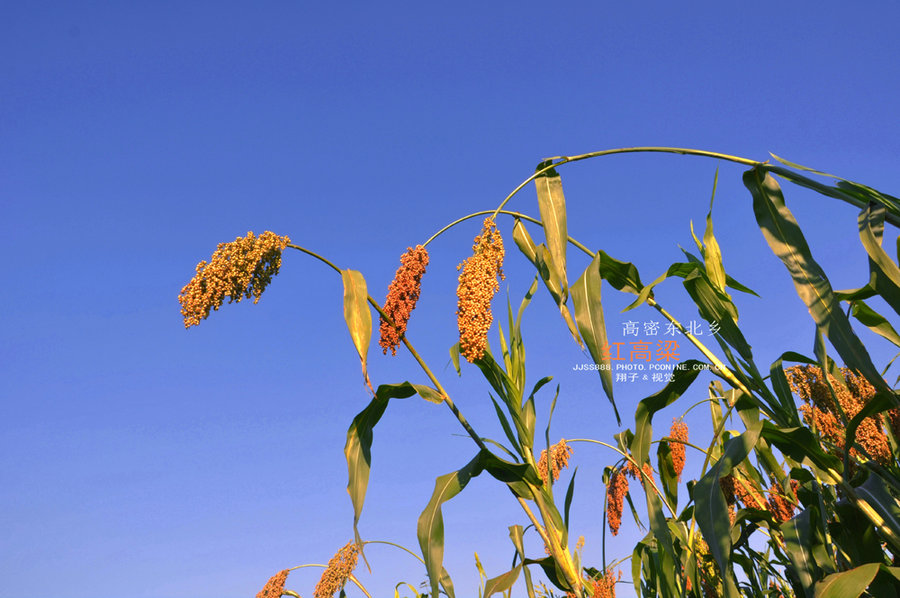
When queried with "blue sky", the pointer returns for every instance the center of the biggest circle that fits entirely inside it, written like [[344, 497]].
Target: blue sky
[[140, 458]]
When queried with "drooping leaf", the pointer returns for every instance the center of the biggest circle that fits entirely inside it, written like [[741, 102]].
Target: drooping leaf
[[431, 521], [787, 241], [847, 584], [682, 377], [358, 316], [552, 204], [885, 275], [589, 318], [502, 582], [516, 534], [623, 276], [358, 448], [875, 322], [711, 510]]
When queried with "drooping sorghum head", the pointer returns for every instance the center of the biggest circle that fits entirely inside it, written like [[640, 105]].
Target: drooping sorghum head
[[478, 282], [559, 459], [615, 501], [780, 506], [275, 586], [338, 571], [679, 435], [242, 268], [605, 585], [820, 410], [403, 293], [745, 490]]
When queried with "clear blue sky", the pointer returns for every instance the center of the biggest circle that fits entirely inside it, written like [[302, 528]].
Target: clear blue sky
[[140, 459]]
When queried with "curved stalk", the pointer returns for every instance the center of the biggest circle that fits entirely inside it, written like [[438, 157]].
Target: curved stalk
[[560, 160]]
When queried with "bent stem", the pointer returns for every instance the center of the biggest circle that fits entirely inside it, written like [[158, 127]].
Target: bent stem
[[561, 554]]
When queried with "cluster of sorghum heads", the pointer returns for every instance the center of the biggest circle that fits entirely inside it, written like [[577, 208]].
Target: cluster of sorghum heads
[[338, 571], [605, 585], [820, 411], [678, 435], [615, 500], [478, 283], [737, 487], [242, 268], [558, 460], [403, 293], [275, 586]]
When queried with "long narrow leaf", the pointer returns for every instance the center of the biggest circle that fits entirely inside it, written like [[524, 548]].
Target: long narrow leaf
[[589, 318], [358, 316]]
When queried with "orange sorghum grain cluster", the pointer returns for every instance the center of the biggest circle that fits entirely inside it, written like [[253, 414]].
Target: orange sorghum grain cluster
[[632, 470], [605, 585], [615, 501], [338, 571], [477, 285], [275, 586], [242, 268], [559, 459], [780, 506], [403, 293], [819, 409], [679, 435], [745, 491]]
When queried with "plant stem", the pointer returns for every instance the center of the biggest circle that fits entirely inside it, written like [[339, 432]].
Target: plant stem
[[560, 160]]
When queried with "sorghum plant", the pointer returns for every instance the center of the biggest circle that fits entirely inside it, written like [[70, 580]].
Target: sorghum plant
[[797, 501]]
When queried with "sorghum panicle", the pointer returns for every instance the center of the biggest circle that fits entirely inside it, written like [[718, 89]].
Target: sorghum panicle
[[403, 293], [478, 283], [615, 501], [559, 459], [745, 490], [275, 586], [780, 506], [242, 268], [819, 409], [605, 585], [679, 435], [338, 571]]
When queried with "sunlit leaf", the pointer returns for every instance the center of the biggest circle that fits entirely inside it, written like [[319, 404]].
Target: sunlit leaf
[[711, 510], [357, 315], [847, 584], [552, 204], [875, 322], [885, 275], [589, 318], [358, 449], [501, 583]]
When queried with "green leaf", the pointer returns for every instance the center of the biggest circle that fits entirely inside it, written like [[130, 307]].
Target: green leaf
[[847, 584], [885, 275], [516, 536], [524, 241], [667, 473], [358, 449], [623, 276], [717, 307], [357, 315], [589, 318], [787, 242], [875, 322], [552, 204], [431, 521], [503, 582], [798, 541], [711, 510], [454, 357], [876, 501], [712, 255], [682, 377], [852, 193], [570, 493]]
